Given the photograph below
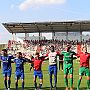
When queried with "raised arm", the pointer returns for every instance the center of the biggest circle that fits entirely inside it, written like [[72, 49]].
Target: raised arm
[[12, 58], [28, 60]]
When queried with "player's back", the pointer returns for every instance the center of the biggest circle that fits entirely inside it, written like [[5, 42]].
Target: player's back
[[6, 61], [37, 63], [52, 58], [84, 59], [19, 64], [68, 56]]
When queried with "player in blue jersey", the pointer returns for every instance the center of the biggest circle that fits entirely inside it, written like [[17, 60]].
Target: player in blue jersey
[[6, 69], [19, 73]]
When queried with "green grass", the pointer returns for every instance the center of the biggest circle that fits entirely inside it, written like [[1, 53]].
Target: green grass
[[29, 78]]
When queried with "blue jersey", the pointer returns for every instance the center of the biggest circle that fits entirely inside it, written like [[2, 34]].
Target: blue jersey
[[6, 62], [19, 64]]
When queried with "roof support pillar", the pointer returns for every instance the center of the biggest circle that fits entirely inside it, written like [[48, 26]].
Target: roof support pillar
[[13, 39], [66, 35], [40, 34], [80, 36], [26, 36], [53, 35], [80, 33], [13, 36]]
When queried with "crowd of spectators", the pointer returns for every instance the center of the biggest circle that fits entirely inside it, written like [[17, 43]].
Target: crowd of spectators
[[43, 45]]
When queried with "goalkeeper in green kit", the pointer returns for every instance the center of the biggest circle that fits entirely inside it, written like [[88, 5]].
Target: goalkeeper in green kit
[[68, 66]]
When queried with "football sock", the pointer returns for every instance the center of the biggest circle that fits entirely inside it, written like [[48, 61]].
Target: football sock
[[79, 82], [88, 84], [9, 82], [71, 82], [35, 85], [16, 84], [55, 80], [23, 85], [40, 86], [66, 82], [5, 83], [51, 80]]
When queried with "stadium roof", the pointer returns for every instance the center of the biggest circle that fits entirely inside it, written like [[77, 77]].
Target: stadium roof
[[70, 26]]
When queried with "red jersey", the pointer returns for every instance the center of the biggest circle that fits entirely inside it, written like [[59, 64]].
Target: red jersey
[[37, 63], [84, 59]]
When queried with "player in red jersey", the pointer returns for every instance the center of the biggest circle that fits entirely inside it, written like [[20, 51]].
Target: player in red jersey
[[37, 61], [84, 67]]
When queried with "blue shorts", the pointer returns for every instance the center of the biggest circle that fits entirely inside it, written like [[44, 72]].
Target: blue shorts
[[19, 75], [7, 73], [38, 73], [52, 69]]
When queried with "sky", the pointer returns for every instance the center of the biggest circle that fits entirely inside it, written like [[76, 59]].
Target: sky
[[41, 11]]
